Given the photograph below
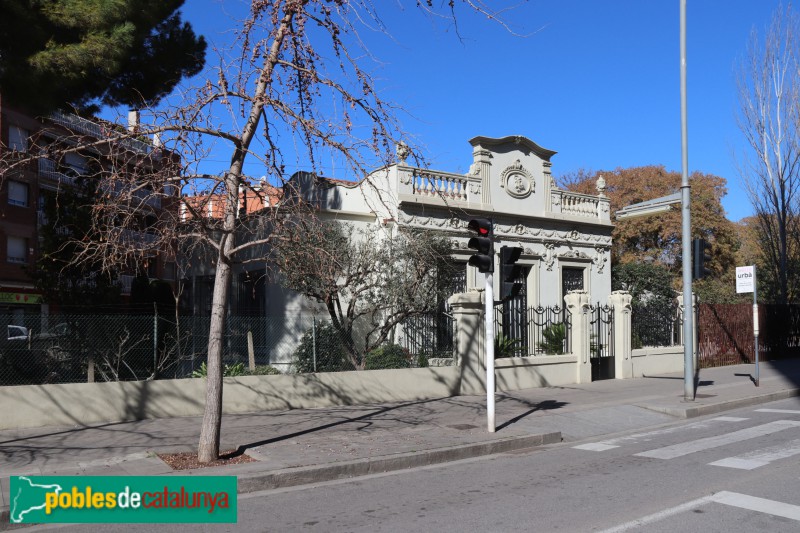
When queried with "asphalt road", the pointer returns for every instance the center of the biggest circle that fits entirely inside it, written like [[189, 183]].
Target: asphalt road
[[734, 472]]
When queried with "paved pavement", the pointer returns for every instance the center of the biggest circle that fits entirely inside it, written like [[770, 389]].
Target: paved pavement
[[313, 445]]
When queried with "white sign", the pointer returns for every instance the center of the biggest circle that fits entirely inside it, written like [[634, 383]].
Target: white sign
[[744, 279]]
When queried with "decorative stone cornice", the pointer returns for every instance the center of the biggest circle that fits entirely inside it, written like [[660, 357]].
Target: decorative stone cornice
[[573, 254], [600, 258], [518, 140]]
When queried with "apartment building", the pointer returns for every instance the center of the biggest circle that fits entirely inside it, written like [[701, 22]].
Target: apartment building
[[47, 170]]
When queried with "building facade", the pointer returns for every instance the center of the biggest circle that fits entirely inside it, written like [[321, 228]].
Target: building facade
[[59, 150], [565, 236]]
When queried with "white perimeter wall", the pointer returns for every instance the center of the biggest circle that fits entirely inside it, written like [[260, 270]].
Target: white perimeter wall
[[653, 361], [91, 403]]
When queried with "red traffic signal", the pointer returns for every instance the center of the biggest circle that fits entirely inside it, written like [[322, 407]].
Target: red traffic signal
[[483, 260], [482, 226]]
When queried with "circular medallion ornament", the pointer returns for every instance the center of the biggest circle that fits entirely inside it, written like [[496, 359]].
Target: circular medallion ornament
[[517, 181]]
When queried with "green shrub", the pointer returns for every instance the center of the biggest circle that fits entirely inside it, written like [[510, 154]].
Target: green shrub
[[331, 355], [422, 360], [263, 370], [553, 337], [228, 371], [636, 341], [388, 356], [507, 347]]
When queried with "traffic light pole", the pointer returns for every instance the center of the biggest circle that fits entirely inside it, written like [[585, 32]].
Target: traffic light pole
[[489, 316], [483, 260]]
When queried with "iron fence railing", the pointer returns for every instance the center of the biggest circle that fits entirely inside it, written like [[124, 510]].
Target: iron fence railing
[[601, 331], [532, 331], [655, 325], [601, 342], [429, 336]]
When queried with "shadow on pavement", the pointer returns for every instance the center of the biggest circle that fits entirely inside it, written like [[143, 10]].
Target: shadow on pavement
[[541, 406]]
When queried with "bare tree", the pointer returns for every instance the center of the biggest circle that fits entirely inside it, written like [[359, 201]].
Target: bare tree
[[372, 279], [294, 89], [769, 98]]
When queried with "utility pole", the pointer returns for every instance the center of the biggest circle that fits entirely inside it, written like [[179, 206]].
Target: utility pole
[[686, 223]]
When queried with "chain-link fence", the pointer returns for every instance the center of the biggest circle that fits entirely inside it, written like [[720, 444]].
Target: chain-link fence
[[37, 349]]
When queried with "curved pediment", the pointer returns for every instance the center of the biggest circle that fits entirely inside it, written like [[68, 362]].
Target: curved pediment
[[513, 141]]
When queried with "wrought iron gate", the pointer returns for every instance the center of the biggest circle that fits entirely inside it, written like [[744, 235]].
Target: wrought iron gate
[[601, 342]]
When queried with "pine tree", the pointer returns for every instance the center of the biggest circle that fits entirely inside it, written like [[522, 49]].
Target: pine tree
[[88, 52]]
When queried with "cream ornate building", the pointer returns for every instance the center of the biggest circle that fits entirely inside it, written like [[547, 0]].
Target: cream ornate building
[[565, 236]]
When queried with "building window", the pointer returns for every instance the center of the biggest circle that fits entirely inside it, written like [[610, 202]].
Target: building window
[[17, 193], [75, 165], [150, 265], [571, 280], [16, 251], [170, 270], [18, 139]]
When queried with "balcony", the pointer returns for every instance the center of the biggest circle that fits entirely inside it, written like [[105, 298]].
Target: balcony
[[580, 205], [42, 220], [132, 237], [423, 184], [82, 126], [49, 169]]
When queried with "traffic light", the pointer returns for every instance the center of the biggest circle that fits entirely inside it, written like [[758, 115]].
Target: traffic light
[[700, 255], [509, 272], [483, 243]]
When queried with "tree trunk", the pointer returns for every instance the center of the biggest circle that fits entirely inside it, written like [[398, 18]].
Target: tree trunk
[[208, 448]]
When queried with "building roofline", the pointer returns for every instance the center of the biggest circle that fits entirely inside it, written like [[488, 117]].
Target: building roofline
[[542, 152]]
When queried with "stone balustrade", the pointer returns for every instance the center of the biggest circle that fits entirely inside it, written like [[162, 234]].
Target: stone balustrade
[[580, 205], [436, 184]]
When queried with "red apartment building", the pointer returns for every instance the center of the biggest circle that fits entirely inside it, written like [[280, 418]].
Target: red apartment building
[[25, 189]]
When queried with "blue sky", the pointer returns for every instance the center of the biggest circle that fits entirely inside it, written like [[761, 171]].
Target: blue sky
[[597, 81]]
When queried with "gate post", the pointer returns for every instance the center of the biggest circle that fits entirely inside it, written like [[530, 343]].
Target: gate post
[[620, 302], [577, 303], [469, 350]]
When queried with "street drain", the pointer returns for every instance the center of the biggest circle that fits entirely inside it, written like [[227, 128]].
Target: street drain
[[463, 427]]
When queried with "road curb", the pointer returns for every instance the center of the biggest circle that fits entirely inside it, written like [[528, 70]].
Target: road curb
[[718, 407], [291, 477]]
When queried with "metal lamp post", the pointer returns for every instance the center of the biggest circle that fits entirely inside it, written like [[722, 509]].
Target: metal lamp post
[[664, 204], [686, 223]]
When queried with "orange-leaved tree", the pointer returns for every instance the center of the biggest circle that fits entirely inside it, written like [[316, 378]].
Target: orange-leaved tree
[[657, 238]]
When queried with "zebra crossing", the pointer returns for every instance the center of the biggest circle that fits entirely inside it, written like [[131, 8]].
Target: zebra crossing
[[732, 432]]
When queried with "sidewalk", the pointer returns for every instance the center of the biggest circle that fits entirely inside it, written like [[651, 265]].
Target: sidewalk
[[314, 445]]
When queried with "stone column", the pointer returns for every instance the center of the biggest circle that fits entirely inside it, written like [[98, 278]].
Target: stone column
[[620, 302], [577, 303], [467, 310], [482, 166]]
